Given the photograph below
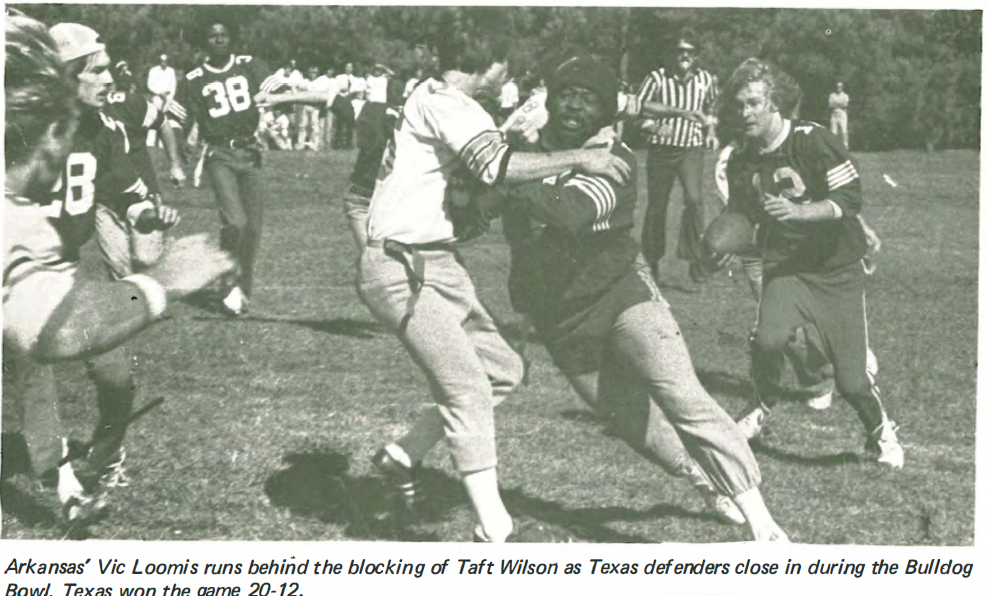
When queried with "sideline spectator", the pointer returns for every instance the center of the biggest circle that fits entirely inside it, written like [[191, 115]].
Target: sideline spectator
[[838, 104]]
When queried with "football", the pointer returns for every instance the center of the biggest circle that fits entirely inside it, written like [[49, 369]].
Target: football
[[729, 233]]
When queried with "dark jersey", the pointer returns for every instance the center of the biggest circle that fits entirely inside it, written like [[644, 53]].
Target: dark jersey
[[374, 129], [221, 100], [98, 169], [808, 165], [571, 247], [138, 116]]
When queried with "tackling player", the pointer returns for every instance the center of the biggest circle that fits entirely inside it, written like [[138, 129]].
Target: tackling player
[[219, 96], [49, 313], [797, 182]]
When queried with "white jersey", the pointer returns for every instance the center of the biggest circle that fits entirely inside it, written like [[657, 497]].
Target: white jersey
[[36, 276], [442, 139]]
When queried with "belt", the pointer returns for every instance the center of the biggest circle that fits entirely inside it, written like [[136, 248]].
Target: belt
[[238, 143], [410, 256]]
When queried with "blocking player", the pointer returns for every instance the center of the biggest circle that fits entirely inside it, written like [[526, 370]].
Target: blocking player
[[49, 313], [581, 278], [219, 96], [797, 182], [412, 279]]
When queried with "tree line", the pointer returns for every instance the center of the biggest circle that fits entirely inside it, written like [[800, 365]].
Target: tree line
[[914, 77]]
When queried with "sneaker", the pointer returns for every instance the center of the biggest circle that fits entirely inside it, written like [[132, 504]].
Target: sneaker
[[235, 303], [751, 424], [402, 480], [885, 446], [724, 508], [115, 473], [77, 504], [821, 402], [529, 531]]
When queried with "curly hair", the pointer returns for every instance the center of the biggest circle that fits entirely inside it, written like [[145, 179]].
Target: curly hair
[[37, 89], [782, 90]]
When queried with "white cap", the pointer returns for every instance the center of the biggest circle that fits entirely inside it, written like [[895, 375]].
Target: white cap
[[75, 41]]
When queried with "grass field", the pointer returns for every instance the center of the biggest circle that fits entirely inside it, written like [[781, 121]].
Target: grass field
[[268, 421]]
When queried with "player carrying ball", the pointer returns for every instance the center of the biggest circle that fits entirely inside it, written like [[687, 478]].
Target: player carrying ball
[[797, 181]]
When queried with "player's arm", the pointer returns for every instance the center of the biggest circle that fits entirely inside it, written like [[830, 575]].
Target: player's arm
[[835, 172], [710, 122], [308, 97], [575, 203], [119, 186]]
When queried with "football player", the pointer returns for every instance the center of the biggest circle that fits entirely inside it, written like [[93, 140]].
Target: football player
[[413, 281], [581, 278], [219, 96], [49, 313], [797, 182]]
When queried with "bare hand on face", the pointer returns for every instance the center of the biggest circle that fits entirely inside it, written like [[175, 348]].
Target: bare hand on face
[[601, 162], [190, 264]]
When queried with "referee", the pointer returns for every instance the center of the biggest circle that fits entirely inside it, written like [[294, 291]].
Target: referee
[[676, 150]]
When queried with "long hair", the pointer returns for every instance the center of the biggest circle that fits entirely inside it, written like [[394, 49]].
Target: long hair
[[37, 88], [782, 90]]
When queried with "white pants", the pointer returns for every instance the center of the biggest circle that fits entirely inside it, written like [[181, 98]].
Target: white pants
[[125, 250]]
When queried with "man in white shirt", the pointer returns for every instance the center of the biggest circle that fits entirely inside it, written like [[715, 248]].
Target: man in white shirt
[[326, 84], [162, 82], [309, 133], [377, 84], [509, 100]]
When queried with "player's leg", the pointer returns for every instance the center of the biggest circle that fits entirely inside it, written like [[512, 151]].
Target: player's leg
[[841, 316], [115, 391], [843, 125], [355, 209], [810, 364], [113, 238], [233, 218], [660, 174], [438, 343], [251, 180], [781, 311], [649, 340], [689, 171]]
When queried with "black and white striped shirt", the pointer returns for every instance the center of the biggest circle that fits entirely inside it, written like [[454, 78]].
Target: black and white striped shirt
[[698, 92]]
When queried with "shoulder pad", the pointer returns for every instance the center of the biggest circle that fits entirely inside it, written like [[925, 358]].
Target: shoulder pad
[[194, 73], [243, 59]]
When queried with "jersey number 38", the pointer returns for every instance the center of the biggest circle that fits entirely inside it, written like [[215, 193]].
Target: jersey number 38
[[232, 94]]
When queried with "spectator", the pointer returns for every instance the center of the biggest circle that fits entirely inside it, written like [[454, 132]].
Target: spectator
[[309, 117], [343, 109], [838, 104], [509, 100], [161, 82], [377, 84]]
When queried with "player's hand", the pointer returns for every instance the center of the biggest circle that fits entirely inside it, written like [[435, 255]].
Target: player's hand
[[601, 162], [177, 175], [262, 100], [190, 264], [711, 142], [779, 208], [167, 216]]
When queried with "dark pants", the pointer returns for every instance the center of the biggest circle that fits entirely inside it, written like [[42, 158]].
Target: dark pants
[[663, 166], [343, 123], [236, 178], [834, 302]]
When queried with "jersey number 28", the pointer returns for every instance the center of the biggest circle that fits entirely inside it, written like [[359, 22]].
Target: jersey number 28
[[233, 93], [80, 177]]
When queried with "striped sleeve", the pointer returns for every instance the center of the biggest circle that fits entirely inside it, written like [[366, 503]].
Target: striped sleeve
[[711, 98], [36, 279], [175, 109], [646, 89], [841, 175], [272, 84], [837, 176], [601, 194], [468, 131]]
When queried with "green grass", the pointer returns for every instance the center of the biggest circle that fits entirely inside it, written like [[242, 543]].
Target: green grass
[[268, 422]]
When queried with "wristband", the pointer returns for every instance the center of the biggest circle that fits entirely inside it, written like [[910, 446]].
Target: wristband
[[154, 294]]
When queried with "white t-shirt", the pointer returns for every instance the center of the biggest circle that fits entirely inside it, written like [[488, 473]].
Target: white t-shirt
[[325, 84], [377, 89], [444, 135], [509, 95], [162, 80]]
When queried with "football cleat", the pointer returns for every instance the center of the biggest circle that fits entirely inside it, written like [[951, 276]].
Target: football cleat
[[821, 402], [115, 473], [884, 445], [531, 532], [751, 424], [77, 504], [724, 508], [235, 302], [402, 481]]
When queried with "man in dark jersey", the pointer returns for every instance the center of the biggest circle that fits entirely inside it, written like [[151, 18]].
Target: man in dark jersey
[[219, 96], [798, 183]]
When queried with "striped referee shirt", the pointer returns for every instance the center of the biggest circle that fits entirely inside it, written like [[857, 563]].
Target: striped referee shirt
[[698, 92]]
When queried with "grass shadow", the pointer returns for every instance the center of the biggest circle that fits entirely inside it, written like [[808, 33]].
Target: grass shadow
[[821, 461]]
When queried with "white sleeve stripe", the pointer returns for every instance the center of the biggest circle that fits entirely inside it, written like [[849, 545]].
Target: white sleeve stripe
[[841, 168], [842, 176], [842, 182], [138, 188], [838, 174], [271, 83], [602, 195], [604, 188]]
